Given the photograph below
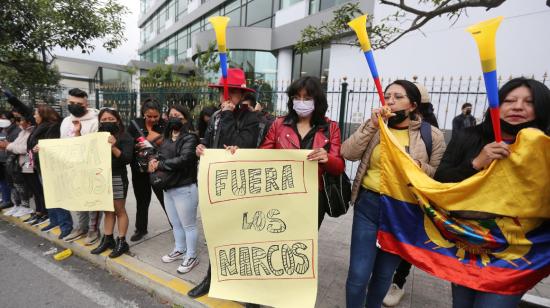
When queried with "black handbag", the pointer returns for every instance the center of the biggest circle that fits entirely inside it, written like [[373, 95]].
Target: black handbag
[[337, 190], [161, 179]]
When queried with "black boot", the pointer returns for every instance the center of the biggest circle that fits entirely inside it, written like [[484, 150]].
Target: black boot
[[107, 242], [120, 248], [202, 288], [138, 235]]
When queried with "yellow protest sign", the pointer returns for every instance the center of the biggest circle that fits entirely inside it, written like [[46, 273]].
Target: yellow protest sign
[[76, 173], [259, 213]]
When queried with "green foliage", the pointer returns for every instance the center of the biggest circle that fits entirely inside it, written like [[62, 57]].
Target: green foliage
[[163, 74], [313, 37], [405, 19], [207, 63], [31, 29]]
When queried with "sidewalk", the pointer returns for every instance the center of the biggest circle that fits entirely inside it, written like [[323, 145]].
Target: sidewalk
[[143, 267]]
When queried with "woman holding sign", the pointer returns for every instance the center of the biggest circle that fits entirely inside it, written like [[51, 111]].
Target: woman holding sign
[[523, 103], [122, 147], [306, 127], [175, 172], [370, 268]]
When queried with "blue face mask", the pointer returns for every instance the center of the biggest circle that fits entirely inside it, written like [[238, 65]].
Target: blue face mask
[[303, 108]]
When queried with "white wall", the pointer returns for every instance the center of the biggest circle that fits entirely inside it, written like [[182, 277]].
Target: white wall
[[292, 13]]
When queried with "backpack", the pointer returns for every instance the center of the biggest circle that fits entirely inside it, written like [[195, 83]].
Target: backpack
[[426, 135]]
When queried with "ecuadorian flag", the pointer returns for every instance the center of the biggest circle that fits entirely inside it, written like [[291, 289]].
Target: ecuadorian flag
[[506, 255]]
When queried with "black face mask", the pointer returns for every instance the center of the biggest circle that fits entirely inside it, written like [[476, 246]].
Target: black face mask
[[77, 110], [398, 118], [110, 127], [512, 129], [468, 112], [174, 124]]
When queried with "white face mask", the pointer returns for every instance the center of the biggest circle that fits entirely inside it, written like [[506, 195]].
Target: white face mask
[[4, 123], [303, 108]]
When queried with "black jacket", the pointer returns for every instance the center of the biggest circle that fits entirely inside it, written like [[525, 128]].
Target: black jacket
[[238, 127], [45, 130], [465, 145], [463, 121], [134, 134], [178, 158], [126, 146]]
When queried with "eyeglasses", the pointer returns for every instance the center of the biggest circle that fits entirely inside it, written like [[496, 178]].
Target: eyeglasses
[[397, 97]]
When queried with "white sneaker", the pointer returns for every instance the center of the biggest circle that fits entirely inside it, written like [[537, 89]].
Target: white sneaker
[[11, 211], [23, 211], [394, 296], [187, 265], [173, 256]]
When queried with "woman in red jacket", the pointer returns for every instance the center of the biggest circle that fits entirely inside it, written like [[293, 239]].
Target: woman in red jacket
[[306, 127]]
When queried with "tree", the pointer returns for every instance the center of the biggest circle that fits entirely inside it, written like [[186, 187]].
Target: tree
[[162, 73], [406, 19], [31, 29]]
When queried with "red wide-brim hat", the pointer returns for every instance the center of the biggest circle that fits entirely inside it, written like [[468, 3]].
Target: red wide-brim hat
[[235, 80]]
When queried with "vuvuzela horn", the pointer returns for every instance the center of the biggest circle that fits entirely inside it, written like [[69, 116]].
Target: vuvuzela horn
[[484, 34], [219, 23], [359, 25]]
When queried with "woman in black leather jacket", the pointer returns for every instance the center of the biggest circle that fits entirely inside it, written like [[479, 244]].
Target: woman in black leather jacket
[[177, 167]]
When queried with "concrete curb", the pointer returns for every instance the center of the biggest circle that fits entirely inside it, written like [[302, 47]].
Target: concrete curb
[[164, 285]]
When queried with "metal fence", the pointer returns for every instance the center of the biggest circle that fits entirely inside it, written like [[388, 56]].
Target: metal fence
[[350, 101]]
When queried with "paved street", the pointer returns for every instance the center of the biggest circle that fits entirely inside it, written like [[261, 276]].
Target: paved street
[[30, 279]]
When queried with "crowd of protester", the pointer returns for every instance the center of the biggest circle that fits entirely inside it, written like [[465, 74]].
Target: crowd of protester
[[163, 152]]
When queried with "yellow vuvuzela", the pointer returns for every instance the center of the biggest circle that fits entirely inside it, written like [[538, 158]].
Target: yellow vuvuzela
[[220, 24]]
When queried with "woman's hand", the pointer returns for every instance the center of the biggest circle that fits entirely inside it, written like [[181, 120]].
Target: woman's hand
[[385, 112], [111, 140], [228, 105], [231, 148], [199, 150], [36, 149], [153, 165], [319, 155], [489, 153]]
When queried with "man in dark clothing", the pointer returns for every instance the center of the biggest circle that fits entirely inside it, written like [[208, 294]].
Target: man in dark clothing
[[234, 125], [464, 120], [8, 134], [265, 118]]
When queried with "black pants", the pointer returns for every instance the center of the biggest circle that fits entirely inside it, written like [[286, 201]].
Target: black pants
[[401, 273], [33, 183], [142, 192]]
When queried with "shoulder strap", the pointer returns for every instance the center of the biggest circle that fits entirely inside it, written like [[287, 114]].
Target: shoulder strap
[[327, 134], [426, 135]]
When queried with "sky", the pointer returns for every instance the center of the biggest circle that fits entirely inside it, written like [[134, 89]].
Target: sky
[[442, 49]]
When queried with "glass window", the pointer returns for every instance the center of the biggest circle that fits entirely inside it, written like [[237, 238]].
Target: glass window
[[313, 6], [311, 63], [258, 10], [296, 64], [233, 5], [235, 18], [287, 3], [182, 7], [325, 61]]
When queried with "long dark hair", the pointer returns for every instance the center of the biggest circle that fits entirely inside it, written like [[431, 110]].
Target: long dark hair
[[148, 104], [313, 87], [115, 114], [412, 93], [202, 125], [541, 101], [188, 127]]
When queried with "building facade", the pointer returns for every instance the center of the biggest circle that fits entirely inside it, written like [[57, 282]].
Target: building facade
[[260, 36]]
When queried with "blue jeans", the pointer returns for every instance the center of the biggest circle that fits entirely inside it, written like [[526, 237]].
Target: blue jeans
[[62, 218], [369, 267], [6, 191], [181, 206], [464, 297]]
